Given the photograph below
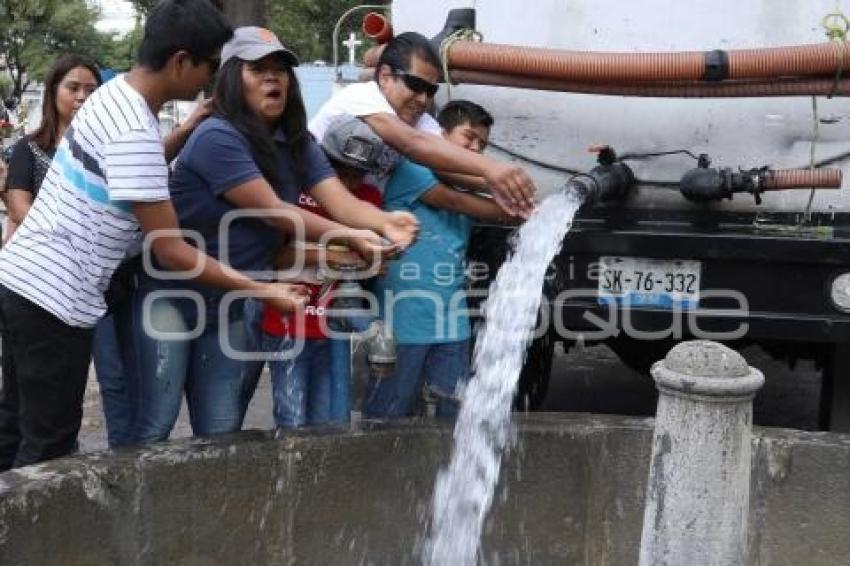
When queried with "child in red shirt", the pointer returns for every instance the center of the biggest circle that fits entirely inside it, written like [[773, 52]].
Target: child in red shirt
[[313, 388]]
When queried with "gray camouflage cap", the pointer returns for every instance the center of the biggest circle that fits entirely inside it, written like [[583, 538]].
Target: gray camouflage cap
[[350, 141]]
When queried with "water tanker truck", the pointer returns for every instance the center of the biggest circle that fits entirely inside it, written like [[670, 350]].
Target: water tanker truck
[[723, 129]]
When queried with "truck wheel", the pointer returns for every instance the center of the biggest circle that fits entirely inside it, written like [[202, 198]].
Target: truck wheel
[[534, 378]]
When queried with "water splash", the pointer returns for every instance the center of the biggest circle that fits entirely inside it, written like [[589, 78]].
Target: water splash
[[464, 490]]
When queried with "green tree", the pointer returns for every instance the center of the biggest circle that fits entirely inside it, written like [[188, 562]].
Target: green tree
[[240, 12], [306, 26], [34, 32], [143, 6], [5, 87], [119, 52]]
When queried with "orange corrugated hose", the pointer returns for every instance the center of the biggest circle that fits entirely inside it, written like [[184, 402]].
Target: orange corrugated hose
[[680, 89], [800, 60], [588, 66], [803, 178], [576, 65], [377, 27]]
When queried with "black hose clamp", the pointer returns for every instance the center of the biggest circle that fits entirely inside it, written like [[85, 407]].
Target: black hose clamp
[[716, 66]]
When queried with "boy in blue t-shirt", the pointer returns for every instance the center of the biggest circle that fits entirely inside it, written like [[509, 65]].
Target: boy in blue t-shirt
[[422, 295]]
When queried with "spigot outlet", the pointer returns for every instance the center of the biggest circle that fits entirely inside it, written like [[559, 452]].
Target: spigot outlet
[[604, 183]]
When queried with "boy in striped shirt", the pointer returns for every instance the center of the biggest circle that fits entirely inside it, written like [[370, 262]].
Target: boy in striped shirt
[[109, 178]]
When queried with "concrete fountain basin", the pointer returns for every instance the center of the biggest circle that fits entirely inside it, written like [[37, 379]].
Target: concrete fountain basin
[[572, 491]]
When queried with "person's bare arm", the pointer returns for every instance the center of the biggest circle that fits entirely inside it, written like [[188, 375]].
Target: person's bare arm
[[399, 227], [175, 140], [441, 196], [258, 194], [468, 182], [18, 203], [159, 223], [511, 186], [478, 185], [287, 256]]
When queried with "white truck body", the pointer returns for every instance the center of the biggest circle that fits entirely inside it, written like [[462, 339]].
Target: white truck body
[[557, 128]]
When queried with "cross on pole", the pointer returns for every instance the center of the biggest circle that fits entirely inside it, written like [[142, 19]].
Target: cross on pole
[[351, 44]]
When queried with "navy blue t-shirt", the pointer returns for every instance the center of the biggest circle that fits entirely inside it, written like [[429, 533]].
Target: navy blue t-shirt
[[218, 158]]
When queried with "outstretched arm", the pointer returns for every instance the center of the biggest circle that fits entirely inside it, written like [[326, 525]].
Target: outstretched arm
[[399, 227], [257, 194], [479, 185], [468, 182], [289, 253], [158, 221], [481, 208], [511, 185]]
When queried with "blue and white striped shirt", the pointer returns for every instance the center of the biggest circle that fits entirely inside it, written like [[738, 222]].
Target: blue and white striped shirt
[[81, 225]]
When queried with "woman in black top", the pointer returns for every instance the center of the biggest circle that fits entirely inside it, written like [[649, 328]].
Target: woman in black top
[[70, 81]]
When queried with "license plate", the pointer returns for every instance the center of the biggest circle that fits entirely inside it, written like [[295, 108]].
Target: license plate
[[637, 281]]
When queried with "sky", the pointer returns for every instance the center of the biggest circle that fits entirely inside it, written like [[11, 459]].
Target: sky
[[115, 15]]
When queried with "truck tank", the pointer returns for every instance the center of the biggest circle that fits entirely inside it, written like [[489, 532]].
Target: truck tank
[[557, 127], [766, 270]]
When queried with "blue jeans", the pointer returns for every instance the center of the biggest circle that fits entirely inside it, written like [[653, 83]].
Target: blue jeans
[[165, 367], [114, 385], [254, 342], [340, 380], [312, 388], [301, 388], [341, 364], [442, 367]]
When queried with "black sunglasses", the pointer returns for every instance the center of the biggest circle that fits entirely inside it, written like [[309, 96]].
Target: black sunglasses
[[417, 84]]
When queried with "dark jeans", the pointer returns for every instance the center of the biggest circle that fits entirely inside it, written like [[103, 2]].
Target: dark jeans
[[45, 366], [444, 368], [114, 384]]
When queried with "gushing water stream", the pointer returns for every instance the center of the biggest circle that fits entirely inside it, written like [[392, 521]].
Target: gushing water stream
[[464, 490]]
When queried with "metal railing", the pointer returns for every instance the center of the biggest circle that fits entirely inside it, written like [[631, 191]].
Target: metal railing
[[335, 37]]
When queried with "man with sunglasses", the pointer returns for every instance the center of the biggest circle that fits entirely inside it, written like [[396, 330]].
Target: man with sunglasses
[[395, 106]]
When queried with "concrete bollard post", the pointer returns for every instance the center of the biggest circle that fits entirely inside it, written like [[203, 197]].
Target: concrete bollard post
[[699, 478]]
